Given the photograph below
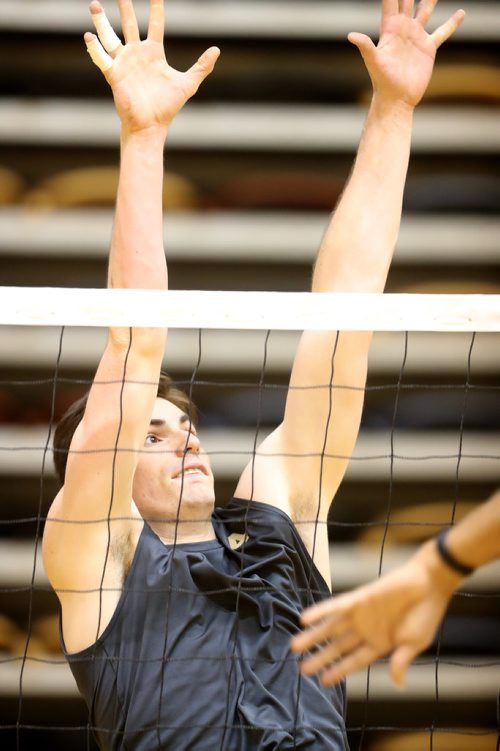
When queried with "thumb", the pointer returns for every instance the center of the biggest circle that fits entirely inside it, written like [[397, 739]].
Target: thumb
[[202, 68], [399, 661], [363, 43]]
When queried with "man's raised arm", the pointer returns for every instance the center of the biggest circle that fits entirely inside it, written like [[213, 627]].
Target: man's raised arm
[[357, 249], [148, 93], [320, 428]]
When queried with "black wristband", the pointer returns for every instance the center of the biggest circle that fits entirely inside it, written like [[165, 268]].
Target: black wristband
[[448, 558]]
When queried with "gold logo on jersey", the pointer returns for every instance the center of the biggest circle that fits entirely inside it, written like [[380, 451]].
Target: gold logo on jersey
[[237, 539]]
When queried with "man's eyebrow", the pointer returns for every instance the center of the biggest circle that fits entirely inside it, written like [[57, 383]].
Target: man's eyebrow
[[158, 423]]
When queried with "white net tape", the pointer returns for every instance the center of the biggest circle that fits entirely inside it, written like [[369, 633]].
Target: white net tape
[[249, 310]]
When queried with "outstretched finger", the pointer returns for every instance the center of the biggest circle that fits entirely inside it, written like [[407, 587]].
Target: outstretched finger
[[406, 7], [425, 11], [364, 45], [156, 28], [201, 69], [130, 26], [400, 660], [329, 608], [331, 652], [447, 30], [390, 8], [359, 659], [97, 52], [331, 628], [109, 40]]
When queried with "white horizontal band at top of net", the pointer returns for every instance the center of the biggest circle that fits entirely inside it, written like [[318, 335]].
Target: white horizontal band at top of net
[[41, 306]]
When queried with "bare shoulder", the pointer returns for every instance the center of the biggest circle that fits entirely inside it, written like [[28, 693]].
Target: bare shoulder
[[87, 562], [78, 551], [274, 476]]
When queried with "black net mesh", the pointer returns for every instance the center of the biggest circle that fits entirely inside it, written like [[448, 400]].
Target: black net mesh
[[397, 492]]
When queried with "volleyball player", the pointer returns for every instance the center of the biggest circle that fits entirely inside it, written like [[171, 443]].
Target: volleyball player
[[176, 617]]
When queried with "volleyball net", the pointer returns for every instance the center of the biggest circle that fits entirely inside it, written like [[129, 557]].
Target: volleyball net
[[428, 452]]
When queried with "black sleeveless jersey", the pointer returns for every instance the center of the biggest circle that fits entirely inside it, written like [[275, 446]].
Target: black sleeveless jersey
[[196, 657]]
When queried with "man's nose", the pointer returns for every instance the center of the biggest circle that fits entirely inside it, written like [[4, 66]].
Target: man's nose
[[187, 441]]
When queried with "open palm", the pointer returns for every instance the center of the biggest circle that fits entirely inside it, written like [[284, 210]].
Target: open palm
[[401, 65], [148, 92], [146, 89], [396, 615]]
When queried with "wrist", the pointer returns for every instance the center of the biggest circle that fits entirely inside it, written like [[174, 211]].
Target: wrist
[[388, 107], [449, 558], [155, 135], [442, 575]]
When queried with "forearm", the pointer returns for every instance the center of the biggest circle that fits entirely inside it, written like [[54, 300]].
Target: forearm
[[137, 256], [357, 248], [474, 542]]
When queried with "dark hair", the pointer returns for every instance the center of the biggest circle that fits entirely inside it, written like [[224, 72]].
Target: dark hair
[[69, 422]]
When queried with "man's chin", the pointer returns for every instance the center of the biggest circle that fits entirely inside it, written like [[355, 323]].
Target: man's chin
[[197, 501]]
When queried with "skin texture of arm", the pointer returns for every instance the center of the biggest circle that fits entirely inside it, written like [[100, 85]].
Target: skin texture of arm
[[300, 465], [90, 530], [397, 615]]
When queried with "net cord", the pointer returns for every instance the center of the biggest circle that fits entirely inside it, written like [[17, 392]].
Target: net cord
[[171, 587], [46, 450], [388, 517], [440, 632], [242, 558]]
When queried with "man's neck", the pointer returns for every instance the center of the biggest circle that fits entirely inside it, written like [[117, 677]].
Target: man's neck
[[172, 533]]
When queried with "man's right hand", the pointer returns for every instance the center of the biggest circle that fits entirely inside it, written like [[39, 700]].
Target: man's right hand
[[148, 92]]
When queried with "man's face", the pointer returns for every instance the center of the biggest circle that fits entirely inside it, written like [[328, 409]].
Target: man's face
[[173, 467]]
